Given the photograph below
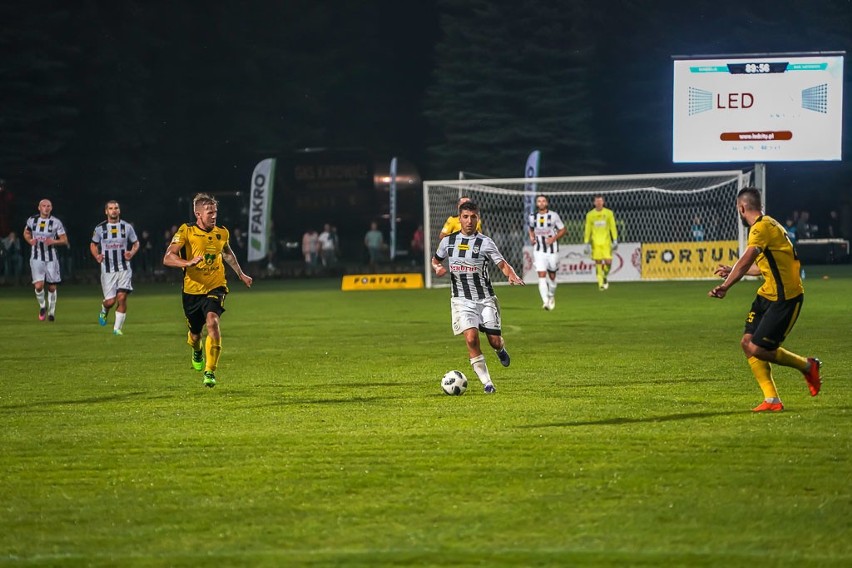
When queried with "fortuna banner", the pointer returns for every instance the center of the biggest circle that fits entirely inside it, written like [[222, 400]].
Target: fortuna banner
[[260, 208]]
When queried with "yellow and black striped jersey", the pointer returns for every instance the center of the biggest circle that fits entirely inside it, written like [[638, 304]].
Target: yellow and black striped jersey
[[210, 272], [777, 261]]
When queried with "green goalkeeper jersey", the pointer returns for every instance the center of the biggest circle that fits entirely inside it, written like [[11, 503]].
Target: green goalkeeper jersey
[[600, 227]]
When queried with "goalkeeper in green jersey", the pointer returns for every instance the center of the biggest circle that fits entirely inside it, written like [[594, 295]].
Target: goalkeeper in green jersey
[[601, 238]]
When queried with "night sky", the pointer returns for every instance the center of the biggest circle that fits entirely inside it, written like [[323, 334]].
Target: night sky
[[149, 102]]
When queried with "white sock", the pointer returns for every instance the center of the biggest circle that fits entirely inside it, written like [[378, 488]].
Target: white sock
[[119, 320], [40, 298], [551, 287], [481, 369], [51, 298], [543, 289]]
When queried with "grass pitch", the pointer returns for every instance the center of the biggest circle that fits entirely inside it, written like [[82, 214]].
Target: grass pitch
[[620, 435]]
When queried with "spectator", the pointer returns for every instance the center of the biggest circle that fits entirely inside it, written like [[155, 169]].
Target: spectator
[[697, 229], [13, 261], [791, 229], [375, 242], [7, 208], [804, 230], [417, 245], [310, 247], [832, 228], [328, 247]]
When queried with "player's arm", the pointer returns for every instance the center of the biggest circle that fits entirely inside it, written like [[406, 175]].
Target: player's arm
[[510, 273], [59, 240], [532, 236], [134, 248], [172, 257], [438, 265], [28, 235], [587, 231], [559, 234], [613, 229], [231, 259], [446, 229], [96, 252], [745, 265]]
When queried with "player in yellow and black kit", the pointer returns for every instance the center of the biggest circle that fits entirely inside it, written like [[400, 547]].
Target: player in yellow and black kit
[[769, 253], [202, 250]]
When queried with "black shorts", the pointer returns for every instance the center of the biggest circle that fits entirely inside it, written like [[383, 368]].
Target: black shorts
[[197, 306], [769, 322]]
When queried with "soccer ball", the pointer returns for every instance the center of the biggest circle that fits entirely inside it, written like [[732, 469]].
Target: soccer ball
[[454, 383]]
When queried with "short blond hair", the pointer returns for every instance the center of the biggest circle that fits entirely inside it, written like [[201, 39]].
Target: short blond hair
[[202, 200]]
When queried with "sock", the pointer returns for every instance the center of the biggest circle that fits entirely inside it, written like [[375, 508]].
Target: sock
[[481, 369], [119, 320], [40, 298], [543, 289], [606, 268], [51, 299], [762, 371], [551, 287], [599, 273], [788, 359], [104, 310], [213, 348], [196, 345]]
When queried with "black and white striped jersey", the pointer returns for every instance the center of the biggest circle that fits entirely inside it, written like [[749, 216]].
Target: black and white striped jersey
[[544, 226], [114, 239], [467, 259], [43, 228]]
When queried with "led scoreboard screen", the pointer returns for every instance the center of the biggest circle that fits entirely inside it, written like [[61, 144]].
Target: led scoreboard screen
[[758, 108]]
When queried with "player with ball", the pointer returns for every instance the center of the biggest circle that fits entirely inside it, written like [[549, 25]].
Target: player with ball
[[474, 306]]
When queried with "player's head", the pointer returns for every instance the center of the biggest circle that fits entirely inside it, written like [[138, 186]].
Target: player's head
[[599, 201], [468, 216], [541, 202], [206, 208], [749, 203], [112, 210], [462, 199], [45, 207]]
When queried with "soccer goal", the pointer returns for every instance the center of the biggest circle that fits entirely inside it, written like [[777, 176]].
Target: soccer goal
[[663, 220]]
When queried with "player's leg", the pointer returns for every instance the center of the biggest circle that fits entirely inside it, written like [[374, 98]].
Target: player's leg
[[108, 285], [540, 260], [489, 311], [466, 318], [762, 371], [120, 311], [195, 320], [38, 272], [775, 324], [52, 294], [214, 307], [607, 265], [552, 267]]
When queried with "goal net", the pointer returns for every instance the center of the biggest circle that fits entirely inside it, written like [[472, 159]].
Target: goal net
[[695, 210]]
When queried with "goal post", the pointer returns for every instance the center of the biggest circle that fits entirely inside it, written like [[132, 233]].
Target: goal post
[[670, 225]]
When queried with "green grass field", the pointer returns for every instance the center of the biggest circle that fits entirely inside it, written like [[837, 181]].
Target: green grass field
[[621, 435]]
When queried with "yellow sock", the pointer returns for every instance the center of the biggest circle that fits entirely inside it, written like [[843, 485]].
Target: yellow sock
[[213, 348], [788, 359], [599, 273], [606, 268], [762, 371], [196, 345]]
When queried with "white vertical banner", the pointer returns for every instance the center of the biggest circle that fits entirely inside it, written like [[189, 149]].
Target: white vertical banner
[[260, 208], [531, 187], [393, 208]]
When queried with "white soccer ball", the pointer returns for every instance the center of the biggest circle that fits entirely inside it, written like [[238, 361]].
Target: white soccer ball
[[454, 383]]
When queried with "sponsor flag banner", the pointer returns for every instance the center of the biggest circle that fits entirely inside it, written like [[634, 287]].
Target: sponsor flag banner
[[530, 188], [260, 208], [686, 260], [352, 282]]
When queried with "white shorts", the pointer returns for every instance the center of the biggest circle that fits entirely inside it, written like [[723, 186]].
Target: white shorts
[[545, 261], [45, 271], [112, 282], [483, 315]]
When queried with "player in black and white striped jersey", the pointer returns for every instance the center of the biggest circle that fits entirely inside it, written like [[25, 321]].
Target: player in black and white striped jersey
[[44, 232], [546, 228], [114, 243], [473, 304]]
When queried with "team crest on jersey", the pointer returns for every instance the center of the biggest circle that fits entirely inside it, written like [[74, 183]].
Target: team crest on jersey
[[209, 258], [476, 250]]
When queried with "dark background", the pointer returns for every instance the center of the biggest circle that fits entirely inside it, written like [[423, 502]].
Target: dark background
[[150, 102]]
